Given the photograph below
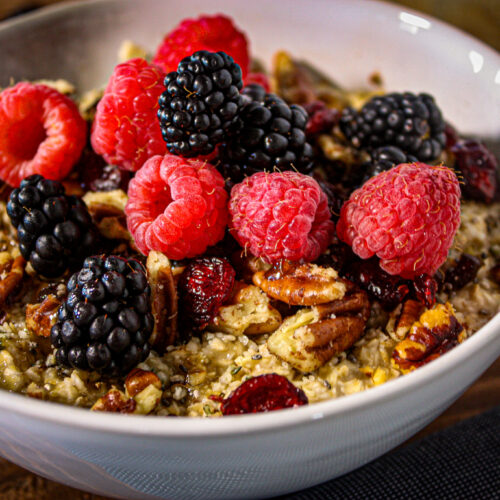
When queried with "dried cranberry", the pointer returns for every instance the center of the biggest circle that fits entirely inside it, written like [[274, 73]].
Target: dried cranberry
[[425, 288], [451, 135], [112, 177], [263, 393], [462, 271], [205, 284], [321, 118], [387, 289], [479, 170]]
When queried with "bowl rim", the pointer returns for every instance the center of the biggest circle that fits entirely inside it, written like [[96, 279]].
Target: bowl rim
[[193, 427]]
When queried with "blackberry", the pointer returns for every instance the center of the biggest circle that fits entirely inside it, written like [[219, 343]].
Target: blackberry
[[105, 322], [410, 122], [272, 135], [201, 103], [55, 231], [384, 158]]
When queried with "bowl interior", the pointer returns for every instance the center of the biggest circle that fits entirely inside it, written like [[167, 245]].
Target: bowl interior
[[348, 40]]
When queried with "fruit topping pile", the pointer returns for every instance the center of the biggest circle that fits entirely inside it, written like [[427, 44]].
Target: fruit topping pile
[[208, 199]]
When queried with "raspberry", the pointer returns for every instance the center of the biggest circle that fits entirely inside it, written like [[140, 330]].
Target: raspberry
[[176, 206], [212, 33], [41, 132], [205, 284], [281, 216], [125, 130], [259, 79], [264, 393], [407, 216]]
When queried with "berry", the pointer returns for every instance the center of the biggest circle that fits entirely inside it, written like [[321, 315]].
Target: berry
[[205, 284], [263, 393], [272, 136], [407, 216], [201, 103], [259, 79], [211, 33], [283, 215], [479, 169], [41, 132], [176, 206], [424, 288], [462, 271], [410, 122], [90, 336], [55, 231], [125, 129], [321, 118], [384, 158]]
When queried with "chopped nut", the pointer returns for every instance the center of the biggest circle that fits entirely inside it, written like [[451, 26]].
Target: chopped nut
[[164, 301], [115, 401], [137, 380], [248, 265], [250, 313], [142, 394], [401, 321], [301, 284], [436, 332], [42, 316], [13, 270], [312, 337], [107, 211], [130, 50]]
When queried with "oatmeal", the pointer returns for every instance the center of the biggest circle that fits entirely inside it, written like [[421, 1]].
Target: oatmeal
[[220, 249]]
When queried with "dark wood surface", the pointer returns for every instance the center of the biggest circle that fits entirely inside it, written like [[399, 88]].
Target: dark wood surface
[[19, 484]]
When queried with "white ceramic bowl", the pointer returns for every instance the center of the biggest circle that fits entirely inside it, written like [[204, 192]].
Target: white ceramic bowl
[[265, 454]]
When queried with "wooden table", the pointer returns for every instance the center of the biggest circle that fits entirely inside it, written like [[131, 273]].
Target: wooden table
[[19, 484]]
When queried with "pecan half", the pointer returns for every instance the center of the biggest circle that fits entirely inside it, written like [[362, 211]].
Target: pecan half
[[13, 271], [249, 312], [164, 301], [42, 316], [301, 284], [436, 332], [402, 319], [311, 337]]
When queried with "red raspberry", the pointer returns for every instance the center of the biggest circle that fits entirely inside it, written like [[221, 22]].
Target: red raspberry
[[407, 216], [281, 216], [259, 78], [205, 284], [263, 393], [212, 33], [41, 132], [126, 131], [176, 206]]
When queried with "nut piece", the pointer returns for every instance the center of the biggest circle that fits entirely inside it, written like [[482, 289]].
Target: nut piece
[[11, 274], [402, 319], [248, 265], [164, 301], [41, 317], [142, 394], [115, 401], [250, 313], [137, 380], [108, 213], [301, 284], [436, 332], [311, 337]]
